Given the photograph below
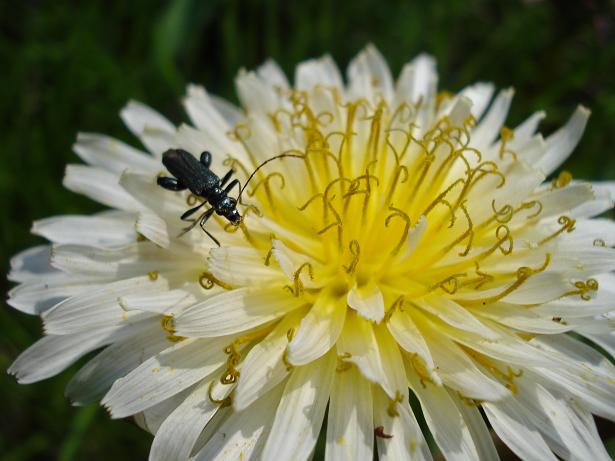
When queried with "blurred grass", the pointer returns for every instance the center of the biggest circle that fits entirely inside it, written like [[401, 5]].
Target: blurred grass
[[70, 66]]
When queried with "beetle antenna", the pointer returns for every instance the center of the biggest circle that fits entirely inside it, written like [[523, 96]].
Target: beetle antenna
[[262, 165]]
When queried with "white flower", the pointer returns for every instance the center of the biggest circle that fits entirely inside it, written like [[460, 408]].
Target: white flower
[[413, 244]]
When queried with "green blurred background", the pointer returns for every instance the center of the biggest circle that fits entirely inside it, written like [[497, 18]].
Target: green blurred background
[[70, 66]]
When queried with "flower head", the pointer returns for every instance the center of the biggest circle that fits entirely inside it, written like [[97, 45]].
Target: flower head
[[392, 239]]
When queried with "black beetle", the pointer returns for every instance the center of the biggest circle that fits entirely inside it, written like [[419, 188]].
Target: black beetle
[[196, 176]]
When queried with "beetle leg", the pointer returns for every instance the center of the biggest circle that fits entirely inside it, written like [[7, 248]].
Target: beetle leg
[[203, 219], [226, 177], [206, 158], [233, 183], [191, 211], [170, 183]]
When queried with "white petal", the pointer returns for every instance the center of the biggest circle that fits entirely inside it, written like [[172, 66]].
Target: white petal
[[319, 329], [358, 345], [155, 131], [241, 266], [95, 378], [563, 141], [369, 75], [455, 315], [418, 80], [526, 130], [235, 311], [408, 442], [37, 297], [263, 367], [521, 318], [479, 430], [99, 185], [97, 230], [178, 433], [408, 336], [350, 426], [480, 94], [243, 434], [153, 228], [52, 354], [448, 426], [299, 416], [164, 375], [272, 74], [113, 155], [322, 71], [459, 372], [32, 263], [489, 127], [255, 95], [99, 308], [368, 301], [509, 423]]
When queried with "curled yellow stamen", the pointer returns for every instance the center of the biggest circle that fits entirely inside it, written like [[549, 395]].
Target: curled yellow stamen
[[392, 408], [342, 363], [168, 324], [567, 224], [207, 281], [355, 251], [403, 215], [298, 285], [583, 289], [563, 179]]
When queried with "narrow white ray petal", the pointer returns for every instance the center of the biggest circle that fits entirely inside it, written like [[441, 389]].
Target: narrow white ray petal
[[321, 71], [507, 348], [557, 202], [516, 431], [392, 362], [350, 427], [178, 433], [418, 80], [155, 131], [272, 74], [143, 188], [153, 228], [604, 340], [489, 127], [52, 354], [358, 345], [589, 380], [479, 430], [290, 261], [97, 230], [171, 302], [235, 311], [480, 94], [95, 378], [99, 308], [29, 265], [560, 426], [255, 95], [563, 141], [99, 185], [404, 330], [152, 418], [230, 112], [369, 75], [526, 130], [459, 372], [407, 442], [521, 318], [113, 155], [123, 262], [299, 416], [367, 300], [242, 266], [263, 367], [37, 297], [455, 315], [242, 435], [318, 330], [447, 424], [164, 375]]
